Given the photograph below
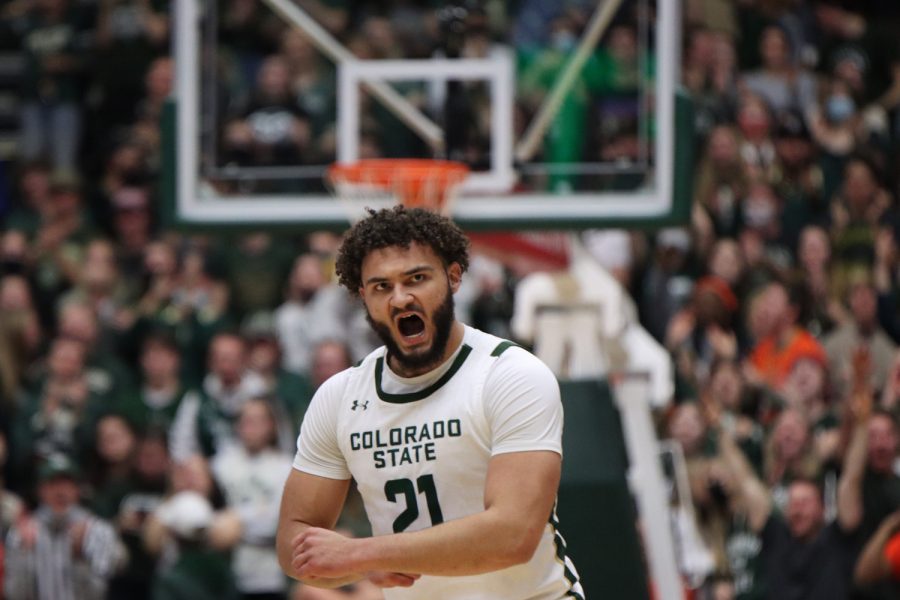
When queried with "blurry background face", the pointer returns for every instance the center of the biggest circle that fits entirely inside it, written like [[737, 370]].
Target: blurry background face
[[859, 185], [99, 272], [882, 444], [79, 322], [753, 119], [774, 48], [726, 385], [306, 277], [159, 362], [264, 356], [115, 440], [686, 427], [864, 305], [58, 493], [330, 358], [274, 79], [770, 307], [227, 359], [808, 378], [152, 460], [726, 262], [790, 435], [256, 426], [66, 359], [815, 250], [804, 509], [160, 259], [192, 475]]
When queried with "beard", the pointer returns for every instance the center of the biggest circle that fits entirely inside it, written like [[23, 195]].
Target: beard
[[442, 320]]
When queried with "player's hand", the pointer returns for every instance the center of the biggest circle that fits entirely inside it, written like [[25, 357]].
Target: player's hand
[[322, 553], [387, 580]]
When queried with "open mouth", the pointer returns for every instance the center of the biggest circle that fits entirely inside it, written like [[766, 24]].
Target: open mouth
[[411, 326]]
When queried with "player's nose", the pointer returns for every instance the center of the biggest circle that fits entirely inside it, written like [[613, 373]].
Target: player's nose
[[400, 297]]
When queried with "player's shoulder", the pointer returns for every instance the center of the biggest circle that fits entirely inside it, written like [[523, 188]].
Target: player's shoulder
[[501, 350]]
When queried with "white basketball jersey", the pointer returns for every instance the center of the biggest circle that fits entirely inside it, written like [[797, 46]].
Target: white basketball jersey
[[419, 450]]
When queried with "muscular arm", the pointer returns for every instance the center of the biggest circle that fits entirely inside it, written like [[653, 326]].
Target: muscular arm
[[519, 496], [308, 501]]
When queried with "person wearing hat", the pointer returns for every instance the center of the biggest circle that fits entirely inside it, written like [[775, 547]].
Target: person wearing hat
[[62, 551]]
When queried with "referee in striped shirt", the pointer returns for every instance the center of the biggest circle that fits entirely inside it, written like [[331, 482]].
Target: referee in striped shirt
[[62, 551]]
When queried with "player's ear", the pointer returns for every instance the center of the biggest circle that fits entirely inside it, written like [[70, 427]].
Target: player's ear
[[454, 275]]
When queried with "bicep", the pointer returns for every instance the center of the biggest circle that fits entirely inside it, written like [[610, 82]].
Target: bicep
[[523, 486], [312, 500]]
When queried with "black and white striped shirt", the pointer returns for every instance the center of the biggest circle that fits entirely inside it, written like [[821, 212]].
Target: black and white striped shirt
[[49, 570]]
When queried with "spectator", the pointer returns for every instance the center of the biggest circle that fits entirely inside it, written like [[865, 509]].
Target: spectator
[[779, 81], [251, 475], [107, 374], [60, 415], [204, 424], [310, 314], [59, 243], [860, 330], [709, 74], [721, 180], [20, 339], [762, 217], [132, 223], [799, 184], [272, 129], [31, 198], [703, 332], [184, 300], [856, 212], [754, 119], [101, 288], [199, 571], [814, 259], [667, 284], [802, 555], [257, 265], [155, 403], [783, 338], [836, 128], [129, 35], [64, 551], [313, 84], [145, 491], [11, 506], [55, 56]]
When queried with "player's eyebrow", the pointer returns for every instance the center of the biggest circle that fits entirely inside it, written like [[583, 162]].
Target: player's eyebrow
[[406, 273]]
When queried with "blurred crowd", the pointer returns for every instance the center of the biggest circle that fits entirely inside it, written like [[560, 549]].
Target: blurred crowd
[[152, 380]]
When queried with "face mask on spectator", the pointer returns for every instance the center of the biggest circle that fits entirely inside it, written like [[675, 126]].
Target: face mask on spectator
[[839, 108]]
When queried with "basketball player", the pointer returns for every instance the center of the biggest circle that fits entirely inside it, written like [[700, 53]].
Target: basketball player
[[453, 436]]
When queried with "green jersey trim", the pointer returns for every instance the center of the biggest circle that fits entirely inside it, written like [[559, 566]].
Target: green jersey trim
[[503, 347], [464, 352], [558, 541]]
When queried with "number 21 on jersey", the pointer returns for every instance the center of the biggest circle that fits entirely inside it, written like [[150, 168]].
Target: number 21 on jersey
[[405, 487]]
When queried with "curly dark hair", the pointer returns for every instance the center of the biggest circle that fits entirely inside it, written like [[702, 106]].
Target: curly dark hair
[[399, 226]]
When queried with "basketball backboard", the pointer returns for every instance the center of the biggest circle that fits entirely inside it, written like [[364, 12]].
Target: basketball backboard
[[474, 86]]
